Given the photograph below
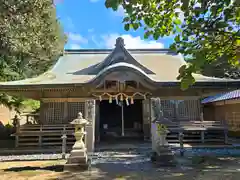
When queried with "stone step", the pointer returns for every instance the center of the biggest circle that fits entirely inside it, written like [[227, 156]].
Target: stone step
[[77, 160], [76, 167]]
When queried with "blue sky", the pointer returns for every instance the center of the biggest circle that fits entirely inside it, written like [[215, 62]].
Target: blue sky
[[89, 24]]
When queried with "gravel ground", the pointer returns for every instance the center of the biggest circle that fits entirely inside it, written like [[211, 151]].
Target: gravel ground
[[134, 154], [135, 163], [31, 157]]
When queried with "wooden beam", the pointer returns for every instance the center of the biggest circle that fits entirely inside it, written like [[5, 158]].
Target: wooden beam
[[64, 99], [230, 101], [179, 97]]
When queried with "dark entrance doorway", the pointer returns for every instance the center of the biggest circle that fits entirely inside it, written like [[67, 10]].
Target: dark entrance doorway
[[113, 126]]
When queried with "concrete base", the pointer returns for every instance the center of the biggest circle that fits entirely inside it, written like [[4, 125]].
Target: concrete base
[[77, 160], [163, 156]]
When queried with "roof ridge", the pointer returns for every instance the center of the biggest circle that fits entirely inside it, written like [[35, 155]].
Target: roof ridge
[[104, 51]]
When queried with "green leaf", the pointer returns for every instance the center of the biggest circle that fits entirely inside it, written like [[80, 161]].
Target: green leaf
[[238, 42], [177, 21], [178, 29], [173, 47], [187, 81], [126, 27], [177, 38], [182, 69], [112, 4], [135, 26], [227, 2], [184, 85], [147, 34], [156, 35], [126, 19]]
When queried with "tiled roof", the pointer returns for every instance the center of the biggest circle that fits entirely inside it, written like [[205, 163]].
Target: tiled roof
[[223, 96]]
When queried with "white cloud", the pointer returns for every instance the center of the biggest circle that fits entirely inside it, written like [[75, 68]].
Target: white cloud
[[93, 1], [75, 46], [77, 38], [131, 42]]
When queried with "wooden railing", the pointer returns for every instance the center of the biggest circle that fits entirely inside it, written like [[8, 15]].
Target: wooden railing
[[43, 135], [50, 135], [198, 132]]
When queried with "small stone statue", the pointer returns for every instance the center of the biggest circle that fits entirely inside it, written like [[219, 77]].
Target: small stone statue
[[162, 135]]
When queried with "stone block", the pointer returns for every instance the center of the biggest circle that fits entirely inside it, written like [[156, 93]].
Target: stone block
[[163, 156], [75, 167]]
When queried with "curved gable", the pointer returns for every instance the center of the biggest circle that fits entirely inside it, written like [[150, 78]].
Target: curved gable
[[123, 72], [120, 55]]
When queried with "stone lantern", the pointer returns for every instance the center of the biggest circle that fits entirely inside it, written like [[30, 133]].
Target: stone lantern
[[78, 157], [79, 125]]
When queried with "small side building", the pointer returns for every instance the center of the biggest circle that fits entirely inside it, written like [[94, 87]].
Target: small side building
[[224, 107]]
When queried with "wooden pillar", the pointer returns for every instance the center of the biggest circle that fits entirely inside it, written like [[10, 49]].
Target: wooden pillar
[[42, 112], [97, 121], [201, 113], [40, 137], [176, 110], [203, 136], [65, 112], [90, 128], [17, 132], [146, 118]]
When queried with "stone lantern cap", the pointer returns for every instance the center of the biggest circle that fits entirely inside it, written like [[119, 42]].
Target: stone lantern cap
[[79, 120]]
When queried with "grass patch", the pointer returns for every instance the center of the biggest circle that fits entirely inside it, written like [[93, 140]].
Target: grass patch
[[37, 170]]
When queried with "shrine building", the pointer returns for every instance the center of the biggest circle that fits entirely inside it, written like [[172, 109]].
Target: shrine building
[[115, 90]]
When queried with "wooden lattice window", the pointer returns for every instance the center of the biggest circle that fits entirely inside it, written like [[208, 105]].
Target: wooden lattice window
[[168, 108], [132, 84], [74, 108], [189, 110], [233, 120], [53, 112], [110, 84]]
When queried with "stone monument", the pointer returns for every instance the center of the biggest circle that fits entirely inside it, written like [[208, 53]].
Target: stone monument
[[78, 159], [162, 153]]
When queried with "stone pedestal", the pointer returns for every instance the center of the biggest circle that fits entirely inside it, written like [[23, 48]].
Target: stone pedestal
[[78, 159], [163, 156]]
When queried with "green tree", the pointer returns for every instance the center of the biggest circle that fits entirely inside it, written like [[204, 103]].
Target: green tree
[[222, 69], [31, 39], [204, 30]]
